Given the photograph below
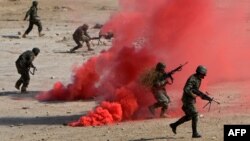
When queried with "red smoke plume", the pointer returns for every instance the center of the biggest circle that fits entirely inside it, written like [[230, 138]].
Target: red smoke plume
[[204, 32]]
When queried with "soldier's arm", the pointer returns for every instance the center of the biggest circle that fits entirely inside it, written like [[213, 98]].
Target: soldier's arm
[[27, 14], [188, 88], [86, 34], [31, 65]]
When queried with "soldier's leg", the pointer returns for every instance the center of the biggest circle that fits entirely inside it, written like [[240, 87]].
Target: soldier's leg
[[153, 107], [164, 109], [28, 29], [26, 80], [88, 45], [192, 112], [19, 83], [179, 122], [194, 126], [20, 80], [79, 45], [183, 119], [166, 101], [40, 28]]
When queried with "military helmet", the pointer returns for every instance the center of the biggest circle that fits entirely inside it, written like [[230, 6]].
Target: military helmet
[[35, 3], [85, 26], [201, 70], [160, 66], [36, 51]]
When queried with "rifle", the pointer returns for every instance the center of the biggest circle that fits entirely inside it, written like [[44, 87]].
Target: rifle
[[169, 74], [205, 97], [33, 72], [107, 36]]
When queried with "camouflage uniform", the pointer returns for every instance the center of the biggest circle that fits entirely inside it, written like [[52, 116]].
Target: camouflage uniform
[[33, 19], [159, 91], [79, 35], [188, 107], [23, 65]]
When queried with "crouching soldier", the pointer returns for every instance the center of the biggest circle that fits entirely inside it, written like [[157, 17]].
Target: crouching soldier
[[79, 35], [23, 65]]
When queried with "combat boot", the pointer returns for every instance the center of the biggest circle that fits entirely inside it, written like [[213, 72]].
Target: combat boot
[[23, 90], [18, 84], [24, 35], [173, 126], [196, 135], [74, 49]]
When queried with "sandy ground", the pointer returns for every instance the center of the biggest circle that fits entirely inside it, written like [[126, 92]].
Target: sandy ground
[[24, 118]]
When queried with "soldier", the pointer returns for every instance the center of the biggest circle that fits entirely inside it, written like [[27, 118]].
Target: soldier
[[159, 91], [33, 19], [79, 35], [23, 65], [189, 99]]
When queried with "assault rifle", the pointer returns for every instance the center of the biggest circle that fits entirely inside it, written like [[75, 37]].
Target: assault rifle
[[205, 97], [107, 36], [33, 71], [170, 73]]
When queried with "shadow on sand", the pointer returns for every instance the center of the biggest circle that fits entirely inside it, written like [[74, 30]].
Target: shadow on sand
[[19, 95], [157, 138], [11, 36], [48, 120]]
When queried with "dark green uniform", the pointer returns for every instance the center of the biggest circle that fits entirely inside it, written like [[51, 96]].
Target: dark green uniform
[[189, 101], [79, 35], [33, 19], [23, 64], [160, 94]]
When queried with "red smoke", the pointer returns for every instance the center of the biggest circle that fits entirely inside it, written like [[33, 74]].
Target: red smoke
[[209, 32], [106, 113]]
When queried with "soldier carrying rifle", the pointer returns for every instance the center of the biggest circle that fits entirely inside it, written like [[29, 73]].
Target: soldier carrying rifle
[[23, 65], [159, 79], [33, 20], [191, 91]]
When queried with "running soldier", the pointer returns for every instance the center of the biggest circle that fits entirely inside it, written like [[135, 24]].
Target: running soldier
[[33, 19], [189, 99], [159, 91]]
